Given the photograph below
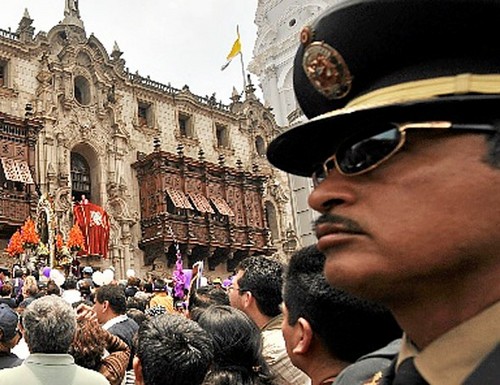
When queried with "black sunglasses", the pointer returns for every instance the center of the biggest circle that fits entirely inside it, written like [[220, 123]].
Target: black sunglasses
[[362, 153]]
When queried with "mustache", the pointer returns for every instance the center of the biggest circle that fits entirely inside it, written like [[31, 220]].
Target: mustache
[[333, 219]]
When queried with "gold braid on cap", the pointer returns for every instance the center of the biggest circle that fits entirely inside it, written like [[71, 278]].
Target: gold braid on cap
[[429, 88]]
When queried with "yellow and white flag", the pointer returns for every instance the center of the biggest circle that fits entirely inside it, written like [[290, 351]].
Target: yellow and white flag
[[235, 50]]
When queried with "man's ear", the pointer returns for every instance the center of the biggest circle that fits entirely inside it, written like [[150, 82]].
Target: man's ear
[[247, 299], [304, 337], [105, 306], [139, 379]]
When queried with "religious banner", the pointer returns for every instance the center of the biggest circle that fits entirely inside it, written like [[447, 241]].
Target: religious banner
[[93, 221]]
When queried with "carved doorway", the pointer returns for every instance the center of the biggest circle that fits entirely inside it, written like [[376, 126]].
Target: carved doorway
[[80, 178]]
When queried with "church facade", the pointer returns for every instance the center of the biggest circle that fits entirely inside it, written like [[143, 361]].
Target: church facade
[[173, 171], [279, 23]]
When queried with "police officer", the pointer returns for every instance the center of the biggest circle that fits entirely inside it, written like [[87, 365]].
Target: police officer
[[404, 153]]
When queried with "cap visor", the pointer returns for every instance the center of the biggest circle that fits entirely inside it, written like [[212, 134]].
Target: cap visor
[[301, 149]]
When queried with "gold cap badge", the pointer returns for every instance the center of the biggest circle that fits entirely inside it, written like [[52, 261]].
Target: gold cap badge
[[326, 70]]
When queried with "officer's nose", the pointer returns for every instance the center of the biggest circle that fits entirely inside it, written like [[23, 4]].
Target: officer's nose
[[336, 190]]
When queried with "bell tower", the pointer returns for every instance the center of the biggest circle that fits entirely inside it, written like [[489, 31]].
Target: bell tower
[[72, 14], [279, 23]]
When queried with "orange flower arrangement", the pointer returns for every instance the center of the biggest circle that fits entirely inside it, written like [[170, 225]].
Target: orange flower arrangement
[[75, 238], [15, 246], [29, 234]]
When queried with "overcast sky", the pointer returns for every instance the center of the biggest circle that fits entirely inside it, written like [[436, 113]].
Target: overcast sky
[[173, 41]]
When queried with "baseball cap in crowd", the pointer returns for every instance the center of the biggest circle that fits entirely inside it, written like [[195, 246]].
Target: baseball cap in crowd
[[87, 270], [159, 285], [8, 322]]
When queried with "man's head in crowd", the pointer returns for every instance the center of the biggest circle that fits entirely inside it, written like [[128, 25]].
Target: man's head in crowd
[[172, 350], [87, 272], [159, 285], [203, 297], [6, 290], [256, 287], [238, 347], [52, 288], [110, 302], [4, 273], [49, 325], [9, 333], [70, 283], [324, 324]]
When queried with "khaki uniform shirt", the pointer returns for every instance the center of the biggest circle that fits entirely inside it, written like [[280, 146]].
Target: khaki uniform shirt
[[451, 358]]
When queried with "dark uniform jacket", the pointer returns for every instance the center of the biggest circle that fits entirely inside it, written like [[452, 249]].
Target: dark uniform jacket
[[366, 366]]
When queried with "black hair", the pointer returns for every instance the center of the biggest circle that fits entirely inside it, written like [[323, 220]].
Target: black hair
[[148, 287], [6, 289], [52, 288], [263, 277], [349, 327], [70, 283], [201, 298], [115, 295], [137, 303], [85, 290], [137, 315], [173, 350], [238, 356], [159, 284]]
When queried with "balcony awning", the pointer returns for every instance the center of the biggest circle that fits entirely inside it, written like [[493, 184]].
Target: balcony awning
[[222, 206], [17, 170], [179, 199], [201, 203]]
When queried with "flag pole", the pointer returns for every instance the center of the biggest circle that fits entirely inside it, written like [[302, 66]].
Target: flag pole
[[242, 62], [236, 50], [243, 72]]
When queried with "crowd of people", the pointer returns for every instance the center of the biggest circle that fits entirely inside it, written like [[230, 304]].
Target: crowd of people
[[130, 332]]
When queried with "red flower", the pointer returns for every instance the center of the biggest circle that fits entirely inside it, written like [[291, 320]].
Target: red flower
[[29, 234], [75, 238], [15, 246]]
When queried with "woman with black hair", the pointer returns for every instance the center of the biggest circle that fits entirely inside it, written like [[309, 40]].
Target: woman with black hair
[[238, 356]]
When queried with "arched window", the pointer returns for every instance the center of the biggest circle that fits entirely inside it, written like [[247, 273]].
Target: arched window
[[272, 220], [82, 90], [222, 136], [80, 177], [260, 146]]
